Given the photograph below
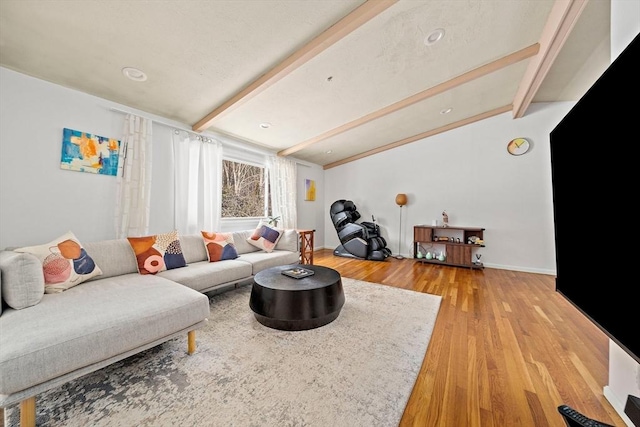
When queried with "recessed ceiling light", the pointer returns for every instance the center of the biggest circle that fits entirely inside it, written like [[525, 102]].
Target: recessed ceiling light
[[434, 37], [329, 151], [134, 74], [446, 110], [265, 125]]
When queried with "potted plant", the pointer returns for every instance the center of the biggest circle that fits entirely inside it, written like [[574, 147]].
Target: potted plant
[[273, 220]]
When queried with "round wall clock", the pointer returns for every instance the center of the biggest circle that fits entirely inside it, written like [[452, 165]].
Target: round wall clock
[[518, 146]]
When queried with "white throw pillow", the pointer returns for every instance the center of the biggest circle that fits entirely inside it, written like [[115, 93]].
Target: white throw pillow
[[265, 237]]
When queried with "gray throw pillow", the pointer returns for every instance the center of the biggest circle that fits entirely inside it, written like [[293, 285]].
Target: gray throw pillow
[[22, 279]]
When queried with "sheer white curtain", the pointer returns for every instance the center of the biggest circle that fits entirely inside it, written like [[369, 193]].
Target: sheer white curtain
[[134, 178], [197, 177], [283, 178]]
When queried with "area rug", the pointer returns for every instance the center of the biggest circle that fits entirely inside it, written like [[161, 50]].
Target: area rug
[[358, 370]]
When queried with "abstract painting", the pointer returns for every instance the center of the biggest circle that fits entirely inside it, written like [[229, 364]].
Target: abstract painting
[[309, 189], [85, 152]]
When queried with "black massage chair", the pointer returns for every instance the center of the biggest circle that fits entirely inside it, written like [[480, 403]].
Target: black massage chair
[[359, 240]]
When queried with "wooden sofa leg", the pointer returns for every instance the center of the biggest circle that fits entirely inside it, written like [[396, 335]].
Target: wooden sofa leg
[[28, 412], [191, 342]]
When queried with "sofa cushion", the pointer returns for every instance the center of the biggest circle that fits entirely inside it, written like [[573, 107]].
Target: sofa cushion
[[114, 257], [289, 241], [156, 253], [203, 276], [65, 263], [192, 248], [91, 323], [262, 260], [265, 237], [22, 279], [220, 246], [240, 239]]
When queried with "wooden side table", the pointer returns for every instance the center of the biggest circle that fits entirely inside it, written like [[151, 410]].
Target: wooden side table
[[306, 246]]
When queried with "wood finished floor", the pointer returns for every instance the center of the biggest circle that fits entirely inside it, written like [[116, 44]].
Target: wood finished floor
[[506, 349]]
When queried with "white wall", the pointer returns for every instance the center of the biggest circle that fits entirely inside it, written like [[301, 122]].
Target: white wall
[[312, 214], [624, 371], [466, 171], [469, 173], [624, 379], [625, 24], [39, 201]]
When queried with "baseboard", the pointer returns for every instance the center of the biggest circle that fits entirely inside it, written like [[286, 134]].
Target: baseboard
[[489, 265], [522, 269]]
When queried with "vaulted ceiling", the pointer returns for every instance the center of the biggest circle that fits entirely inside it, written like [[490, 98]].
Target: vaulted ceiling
[[325, 81]]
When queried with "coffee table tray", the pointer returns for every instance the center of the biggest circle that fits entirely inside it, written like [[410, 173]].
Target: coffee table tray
[[298, 272]]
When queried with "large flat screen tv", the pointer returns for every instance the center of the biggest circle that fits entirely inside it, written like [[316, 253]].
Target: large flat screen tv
[[595, 177]]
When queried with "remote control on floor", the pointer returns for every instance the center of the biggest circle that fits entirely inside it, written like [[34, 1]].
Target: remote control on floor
[[576, 419]]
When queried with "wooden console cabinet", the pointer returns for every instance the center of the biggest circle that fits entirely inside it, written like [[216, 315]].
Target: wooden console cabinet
[[457, 249]]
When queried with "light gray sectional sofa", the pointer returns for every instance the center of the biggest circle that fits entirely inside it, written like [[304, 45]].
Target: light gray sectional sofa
[[49, 339]]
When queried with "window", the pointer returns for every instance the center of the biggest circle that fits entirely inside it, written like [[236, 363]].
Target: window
[[245, 190]]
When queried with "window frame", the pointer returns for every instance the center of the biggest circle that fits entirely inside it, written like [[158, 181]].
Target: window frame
[[242, 221]]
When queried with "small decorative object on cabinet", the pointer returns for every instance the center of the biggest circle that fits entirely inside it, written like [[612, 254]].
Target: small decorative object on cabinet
[[445, 219], [456, 247], [477, 261]]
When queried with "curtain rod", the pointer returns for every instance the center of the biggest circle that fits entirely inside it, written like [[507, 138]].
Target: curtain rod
[[222, 138], [117, 110]]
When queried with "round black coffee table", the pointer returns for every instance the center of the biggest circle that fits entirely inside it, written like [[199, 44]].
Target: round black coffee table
[[289, 304]]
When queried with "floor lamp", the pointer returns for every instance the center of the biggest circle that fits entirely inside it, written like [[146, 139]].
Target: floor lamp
[[401, 200]]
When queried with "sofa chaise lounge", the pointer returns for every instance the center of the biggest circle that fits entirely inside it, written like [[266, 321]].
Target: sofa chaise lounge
[[63, 336]]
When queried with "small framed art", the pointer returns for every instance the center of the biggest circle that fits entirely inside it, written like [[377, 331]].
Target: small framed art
[[309, 190]]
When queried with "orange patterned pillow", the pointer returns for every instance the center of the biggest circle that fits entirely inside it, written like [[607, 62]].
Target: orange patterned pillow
[[219, 246], [65, 263], [158, 252]]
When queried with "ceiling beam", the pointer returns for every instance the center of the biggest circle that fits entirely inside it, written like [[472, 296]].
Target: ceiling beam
[[563, 16], [489, 68], [422, 135], [358, 17]]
